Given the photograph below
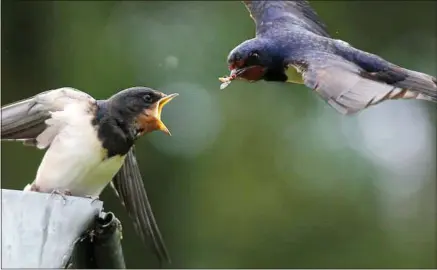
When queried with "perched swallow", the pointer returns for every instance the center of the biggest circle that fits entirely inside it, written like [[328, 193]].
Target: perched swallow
[[89, 143], [293, 45]]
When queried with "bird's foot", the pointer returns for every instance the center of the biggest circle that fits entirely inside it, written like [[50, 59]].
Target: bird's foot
[[63, 194], [32, 187], [93, 198]]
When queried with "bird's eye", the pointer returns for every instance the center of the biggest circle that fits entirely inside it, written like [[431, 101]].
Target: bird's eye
[[254, 55], [148, 98]]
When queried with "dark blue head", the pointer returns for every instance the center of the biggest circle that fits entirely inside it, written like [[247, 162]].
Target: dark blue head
[[142, 106], [257, 59]]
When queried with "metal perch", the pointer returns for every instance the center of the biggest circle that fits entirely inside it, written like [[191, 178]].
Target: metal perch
[[101, 246], [41, 230]]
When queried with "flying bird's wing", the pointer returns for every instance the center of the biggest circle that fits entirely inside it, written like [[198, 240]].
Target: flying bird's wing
[[272, 15], [129, 186], [349, 88], [29, 120]]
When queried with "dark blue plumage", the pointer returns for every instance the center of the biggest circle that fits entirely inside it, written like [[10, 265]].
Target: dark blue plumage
[[293, 45]]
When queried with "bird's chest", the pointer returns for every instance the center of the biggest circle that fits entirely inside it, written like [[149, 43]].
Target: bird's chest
[[89, 168], [112, 148], [99, 167], [101, 174], [78, 162]]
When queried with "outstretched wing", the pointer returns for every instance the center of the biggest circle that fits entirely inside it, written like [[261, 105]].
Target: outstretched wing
[[130, 188], [29, 120], [349, 88], [272, 15]]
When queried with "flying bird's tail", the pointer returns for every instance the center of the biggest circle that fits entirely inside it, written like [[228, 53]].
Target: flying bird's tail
[[408, 84], [422, 84]]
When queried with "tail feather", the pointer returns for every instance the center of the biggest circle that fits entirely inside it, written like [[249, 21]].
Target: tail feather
[[421, 83], [412, 84], [425, 97]]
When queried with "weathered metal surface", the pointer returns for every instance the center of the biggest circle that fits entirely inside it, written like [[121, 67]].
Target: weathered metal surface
[[40, 230]]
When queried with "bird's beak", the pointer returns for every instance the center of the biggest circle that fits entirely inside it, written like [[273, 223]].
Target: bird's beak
[[161, 103], [232, 76], [250, 73], [235, 73], [152, 115]]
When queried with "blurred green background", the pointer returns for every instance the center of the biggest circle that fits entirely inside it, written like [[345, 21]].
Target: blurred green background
[[260, 175]]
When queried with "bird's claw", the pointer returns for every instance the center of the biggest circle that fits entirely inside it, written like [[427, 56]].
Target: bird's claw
[[63, 194], [34, 187]]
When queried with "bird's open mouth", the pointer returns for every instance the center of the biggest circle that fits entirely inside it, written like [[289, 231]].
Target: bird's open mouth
[[166, 99], [152, 115]]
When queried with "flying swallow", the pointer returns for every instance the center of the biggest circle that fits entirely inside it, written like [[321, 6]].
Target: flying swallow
[[293, 45], [89, 143]]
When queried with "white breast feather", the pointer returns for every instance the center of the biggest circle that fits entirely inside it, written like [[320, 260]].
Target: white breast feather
[[74, 160]]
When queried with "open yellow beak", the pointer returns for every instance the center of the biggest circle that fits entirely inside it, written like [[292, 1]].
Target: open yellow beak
[[157, 113]]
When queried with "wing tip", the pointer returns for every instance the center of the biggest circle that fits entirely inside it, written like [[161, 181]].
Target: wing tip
[[128, 181]]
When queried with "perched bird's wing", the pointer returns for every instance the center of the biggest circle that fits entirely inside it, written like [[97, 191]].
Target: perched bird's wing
[[349, 88], [129, 186], [29, 120], [269, 16]]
